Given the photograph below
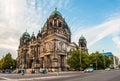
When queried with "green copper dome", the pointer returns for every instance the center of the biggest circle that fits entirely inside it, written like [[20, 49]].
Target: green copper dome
[[55, 12], [26, 34], [66, 26], [33, 35], [82, 38]]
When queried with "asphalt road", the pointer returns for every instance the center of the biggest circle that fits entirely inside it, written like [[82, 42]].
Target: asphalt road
[[113, 75]]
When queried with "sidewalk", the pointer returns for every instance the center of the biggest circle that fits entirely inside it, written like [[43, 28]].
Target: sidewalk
[[36, 76]]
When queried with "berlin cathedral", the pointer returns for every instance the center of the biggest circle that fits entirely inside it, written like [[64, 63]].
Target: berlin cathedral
[[50, 48]]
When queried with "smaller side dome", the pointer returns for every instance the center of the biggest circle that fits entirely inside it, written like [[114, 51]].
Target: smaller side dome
[[39, 34], [55, 12], [33, 38], [26, 34], [33, 35], [82, 38]]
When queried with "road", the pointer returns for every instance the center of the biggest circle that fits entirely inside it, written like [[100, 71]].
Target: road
[[113, 75]]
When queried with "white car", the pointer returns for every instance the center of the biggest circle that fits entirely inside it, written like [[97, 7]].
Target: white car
[[89, 70], [107, 69], [117, 68]]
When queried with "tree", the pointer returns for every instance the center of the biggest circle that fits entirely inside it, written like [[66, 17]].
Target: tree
[[99, 61], [8, 62], [1, 63], [85, 61], [75, 59], [107, 61]]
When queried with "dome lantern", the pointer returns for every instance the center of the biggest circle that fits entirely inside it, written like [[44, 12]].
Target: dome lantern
[[55, 12]]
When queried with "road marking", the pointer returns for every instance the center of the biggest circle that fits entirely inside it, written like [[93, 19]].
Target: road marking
[[36, 78], [4, 78]]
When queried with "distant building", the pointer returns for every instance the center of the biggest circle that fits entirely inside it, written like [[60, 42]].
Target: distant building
[[108, 54], [115, 60], [50, 48]]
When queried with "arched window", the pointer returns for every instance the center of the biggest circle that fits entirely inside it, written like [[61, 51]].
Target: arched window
[[55, 23], [49, 46], [50, 24], [61, 46], [60, 24]]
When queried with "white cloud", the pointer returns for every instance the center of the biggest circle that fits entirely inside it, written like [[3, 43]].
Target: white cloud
[[11, 23], [117, 41], [99, 32], [96, 33]]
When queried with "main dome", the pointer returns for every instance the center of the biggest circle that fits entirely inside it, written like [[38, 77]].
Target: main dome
[[55, 12], [55, 20]]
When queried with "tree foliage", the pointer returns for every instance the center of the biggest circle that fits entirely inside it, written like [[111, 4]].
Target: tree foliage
[[99, 61], [7, 62], [78, 59], [95, 60]]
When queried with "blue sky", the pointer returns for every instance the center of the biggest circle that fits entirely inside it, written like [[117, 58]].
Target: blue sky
[[97, 20]]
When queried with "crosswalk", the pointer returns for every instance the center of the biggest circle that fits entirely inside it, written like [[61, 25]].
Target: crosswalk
[[31, 79], [4, 79]]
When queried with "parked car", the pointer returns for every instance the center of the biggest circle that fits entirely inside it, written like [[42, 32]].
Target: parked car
[[43, 71], [7, 71], [107, 69], [117, 68], [87, 70], [21, 71]]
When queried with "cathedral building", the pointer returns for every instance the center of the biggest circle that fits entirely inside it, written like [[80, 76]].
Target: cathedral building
[[50, 48]]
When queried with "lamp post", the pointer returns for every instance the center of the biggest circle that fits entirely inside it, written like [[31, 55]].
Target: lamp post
[[22, 66], [96, 64], [104, 59], [80, 58], [33, 61], [11, 67]]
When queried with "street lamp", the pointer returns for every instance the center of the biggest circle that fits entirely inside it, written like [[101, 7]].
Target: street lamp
[[33, 65], [22, 66], [80, 58], [96, 64], [104, 59], [33, 62]]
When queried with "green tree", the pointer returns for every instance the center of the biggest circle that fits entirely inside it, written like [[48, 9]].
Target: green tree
[[85, 61], [8, 62], [78, 59], [107, 61], [1, 63], [99, 61]]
